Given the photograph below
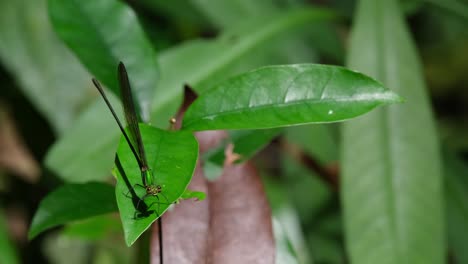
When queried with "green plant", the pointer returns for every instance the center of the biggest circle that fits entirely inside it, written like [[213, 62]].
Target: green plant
[[233, 95]]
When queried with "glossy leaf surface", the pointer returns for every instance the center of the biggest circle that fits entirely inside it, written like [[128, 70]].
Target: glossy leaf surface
[[186, 63], [171, 156], [286, 95], [102, 33]]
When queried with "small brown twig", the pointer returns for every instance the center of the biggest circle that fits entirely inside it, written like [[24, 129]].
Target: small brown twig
[[329, 174]]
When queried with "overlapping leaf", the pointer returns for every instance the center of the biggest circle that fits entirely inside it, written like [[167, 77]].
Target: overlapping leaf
[[286, 95], [102, 33], [172, 157], [72, 202]]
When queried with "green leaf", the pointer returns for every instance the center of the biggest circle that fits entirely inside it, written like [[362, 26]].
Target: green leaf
[[286, 95], [456, 194], [102, 33], [198, 63], [456, 7], [45, 70], [9, 254], [391, 174], [72, 202], [172, 156]]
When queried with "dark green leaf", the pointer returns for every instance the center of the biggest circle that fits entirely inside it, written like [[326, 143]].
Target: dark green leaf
[[172, 156], [286, 95], [456, 194], [102, 33], [72, 202], [391, 180], [456, 7]]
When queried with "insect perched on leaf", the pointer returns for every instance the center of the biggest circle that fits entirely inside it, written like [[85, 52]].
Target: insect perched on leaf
[[134, 141]]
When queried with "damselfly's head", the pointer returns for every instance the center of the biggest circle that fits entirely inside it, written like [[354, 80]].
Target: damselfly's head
[[153, 189]]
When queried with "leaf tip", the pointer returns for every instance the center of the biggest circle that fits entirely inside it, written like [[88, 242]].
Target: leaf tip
[[392, 97]]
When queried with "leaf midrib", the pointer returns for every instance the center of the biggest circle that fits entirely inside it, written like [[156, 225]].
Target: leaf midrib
[[291, 104]]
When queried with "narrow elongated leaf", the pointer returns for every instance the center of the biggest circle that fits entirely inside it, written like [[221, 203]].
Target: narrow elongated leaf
[[391, 188], [102, 33], [72, 202], [171, 156], [286, 95]]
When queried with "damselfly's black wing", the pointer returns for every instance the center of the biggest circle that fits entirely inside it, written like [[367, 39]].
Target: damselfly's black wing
[[130, 114]]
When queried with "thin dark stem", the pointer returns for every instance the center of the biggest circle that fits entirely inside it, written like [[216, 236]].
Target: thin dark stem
[[160, 232], [329, 176]]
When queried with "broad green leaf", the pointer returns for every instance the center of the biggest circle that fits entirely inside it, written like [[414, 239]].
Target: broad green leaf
[[47, 73], [172, 156], [286, 95], [391, 174], [198, 63], [456, 194], [72, 202], [9, 254], [102, 33]]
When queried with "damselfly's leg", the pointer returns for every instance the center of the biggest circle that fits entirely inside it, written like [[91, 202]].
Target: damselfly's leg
[[140, 200], [129, 191]]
